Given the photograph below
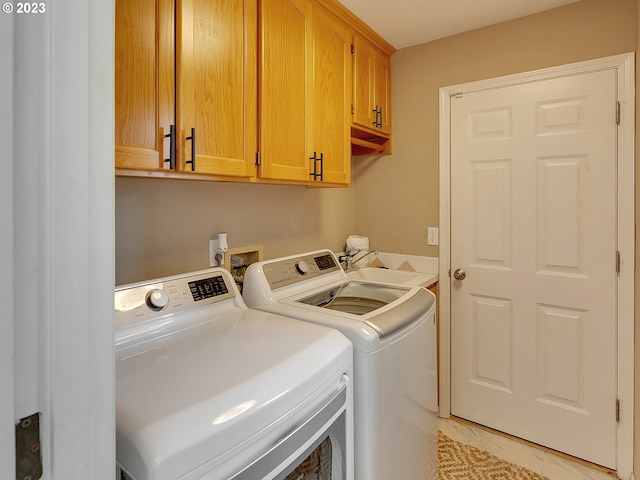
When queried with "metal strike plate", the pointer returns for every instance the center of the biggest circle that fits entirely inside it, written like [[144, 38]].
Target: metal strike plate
[[28, 455]]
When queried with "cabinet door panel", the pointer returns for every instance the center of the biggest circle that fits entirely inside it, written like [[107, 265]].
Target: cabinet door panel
[[285, 82], [217, 85], [331, 119], [144, 82], [363, 86], [383, 91], [371, 87]]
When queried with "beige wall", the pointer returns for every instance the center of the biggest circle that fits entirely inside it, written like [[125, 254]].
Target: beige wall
[[163, 226], [396, 197]]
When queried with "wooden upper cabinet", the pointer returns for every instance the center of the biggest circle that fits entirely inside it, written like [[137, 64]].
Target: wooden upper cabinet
[[144, 83], [193, 70], [371, 87], [331, 118], [217, 90], [204, 88], [305, 82], [285, 89]]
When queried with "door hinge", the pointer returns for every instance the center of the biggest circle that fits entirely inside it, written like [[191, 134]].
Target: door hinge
[[28, 451], [353, 49], [353, 109], [617, 113], [617, 262], [617, 410], [258, 159]]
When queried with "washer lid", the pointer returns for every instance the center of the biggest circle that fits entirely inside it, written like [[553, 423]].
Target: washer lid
[[200, 395], [367, 300]]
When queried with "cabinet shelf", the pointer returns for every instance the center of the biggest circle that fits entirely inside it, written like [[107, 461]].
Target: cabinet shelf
[[365, 147], [366, 143]]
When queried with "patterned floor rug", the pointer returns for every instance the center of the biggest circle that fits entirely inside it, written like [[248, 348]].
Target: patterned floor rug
[[458, 461]]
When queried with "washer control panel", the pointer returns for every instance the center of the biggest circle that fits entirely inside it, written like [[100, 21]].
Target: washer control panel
[[288, 271], [144, 301]]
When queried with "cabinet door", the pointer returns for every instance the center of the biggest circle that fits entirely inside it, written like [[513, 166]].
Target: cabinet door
[[364, 58], [331, 119], [382, 89], [144, 83], [285, 89], [217, 48], [371, 87]]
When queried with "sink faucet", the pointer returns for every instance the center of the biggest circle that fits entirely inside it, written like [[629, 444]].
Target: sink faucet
[[348, 259]]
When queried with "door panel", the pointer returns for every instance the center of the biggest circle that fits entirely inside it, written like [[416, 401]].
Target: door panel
[[533, 224], [490, 332]]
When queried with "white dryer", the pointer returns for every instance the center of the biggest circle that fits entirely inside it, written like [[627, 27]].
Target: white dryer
[[209, 389], [393, 332]]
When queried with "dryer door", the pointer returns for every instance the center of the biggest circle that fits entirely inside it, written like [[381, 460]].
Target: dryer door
[[320, 448]]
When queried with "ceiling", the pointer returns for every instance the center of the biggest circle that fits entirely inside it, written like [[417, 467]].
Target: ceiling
[[404, 23]]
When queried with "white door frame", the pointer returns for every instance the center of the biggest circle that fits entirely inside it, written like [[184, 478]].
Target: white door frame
[[56, 324], [7, 402], [625, 65]]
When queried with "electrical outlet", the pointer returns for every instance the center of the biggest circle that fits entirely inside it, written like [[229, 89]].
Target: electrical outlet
[[213, 245], [432, 236]]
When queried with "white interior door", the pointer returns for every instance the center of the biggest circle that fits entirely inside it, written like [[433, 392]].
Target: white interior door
[[533, 225]]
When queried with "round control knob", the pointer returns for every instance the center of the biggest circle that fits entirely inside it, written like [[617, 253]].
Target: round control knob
[[157, 299], [302, 267]]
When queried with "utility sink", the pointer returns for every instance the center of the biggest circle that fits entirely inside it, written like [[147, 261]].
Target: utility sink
[[398, 277]]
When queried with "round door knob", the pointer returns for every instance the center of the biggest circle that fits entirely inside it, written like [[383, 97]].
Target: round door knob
[[157, 299], [459, 274]]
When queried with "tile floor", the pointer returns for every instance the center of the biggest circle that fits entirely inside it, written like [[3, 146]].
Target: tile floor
[[535, 459]]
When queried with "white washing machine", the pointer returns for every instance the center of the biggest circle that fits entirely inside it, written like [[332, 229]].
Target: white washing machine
[[393, 332], [209, 389]]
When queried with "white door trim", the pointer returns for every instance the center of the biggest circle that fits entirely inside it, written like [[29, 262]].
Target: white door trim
[[62, 258], [625, 66], [7, 403]]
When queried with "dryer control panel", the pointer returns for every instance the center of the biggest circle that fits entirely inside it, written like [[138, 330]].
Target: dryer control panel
[[144, 301], [288, 271]]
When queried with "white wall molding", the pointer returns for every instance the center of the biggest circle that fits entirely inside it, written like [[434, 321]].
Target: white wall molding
[[7, 406], [64, 234]]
